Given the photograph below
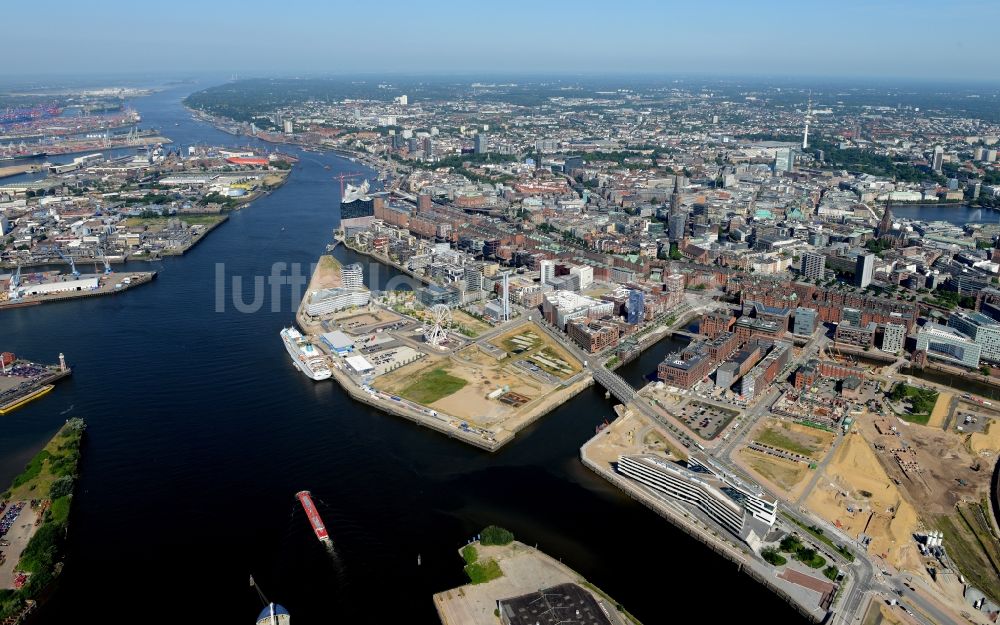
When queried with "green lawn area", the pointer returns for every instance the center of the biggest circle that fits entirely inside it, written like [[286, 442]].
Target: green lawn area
[[479, 572], [921, 400], [774, 438], [817, 533], [806, 555], [773, 557], [810, 558], [432, 386], [469, 554], [482, 572]]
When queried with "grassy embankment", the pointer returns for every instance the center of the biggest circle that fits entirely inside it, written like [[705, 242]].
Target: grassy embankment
[[50, 475], [971, 543]]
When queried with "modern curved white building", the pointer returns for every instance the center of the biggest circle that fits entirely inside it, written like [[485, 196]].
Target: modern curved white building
[[327, 301], [741, 508]]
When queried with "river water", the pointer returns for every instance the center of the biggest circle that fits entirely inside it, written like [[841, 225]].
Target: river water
[[959, 214], [201, 431]]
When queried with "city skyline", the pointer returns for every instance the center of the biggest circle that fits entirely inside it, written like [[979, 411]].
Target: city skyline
[[490, 307], [780, 39]]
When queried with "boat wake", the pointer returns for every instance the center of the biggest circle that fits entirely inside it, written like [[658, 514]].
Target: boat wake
[[339, 567], [71, 406]]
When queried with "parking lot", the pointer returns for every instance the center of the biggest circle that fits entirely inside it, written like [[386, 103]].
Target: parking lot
[[17, 536], [393, 358], [706, 420]]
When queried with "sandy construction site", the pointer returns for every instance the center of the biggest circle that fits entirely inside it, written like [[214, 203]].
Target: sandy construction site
[[482, 389], [857, 496], [779, 453]]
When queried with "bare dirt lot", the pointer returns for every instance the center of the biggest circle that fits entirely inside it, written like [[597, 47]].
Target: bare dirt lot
[[527, 342], [326, 274], [786, 474], [938, 465], [794, 437], [473, 327], [941, 409], [857, 495], [986, 443], [629, 435], [482, 375]]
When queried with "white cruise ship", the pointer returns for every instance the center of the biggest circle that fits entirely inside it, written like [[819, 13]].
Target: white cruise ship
[[304, 355]]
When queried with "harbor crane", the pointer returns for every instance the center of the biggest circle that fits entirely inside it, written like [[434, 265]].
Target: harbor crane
[[107, 263], [72, 264], [14, 289]]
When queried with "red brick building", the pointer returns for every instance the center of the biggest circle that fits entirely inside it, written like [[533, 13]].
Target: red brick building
[[716, 322], [593, 335]]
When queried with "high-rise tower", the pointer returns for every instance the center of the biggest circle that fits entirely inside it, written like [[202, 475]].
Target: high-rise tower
[[805, 133]]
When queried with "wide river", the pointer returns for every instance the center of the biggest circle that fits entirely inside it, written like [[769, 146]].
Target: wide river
[[201, 431]]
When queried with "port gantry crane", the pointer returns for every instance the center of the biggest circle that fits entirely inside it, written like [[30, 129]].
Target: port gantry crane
[[104, 259], [14, 289], [69, 259]]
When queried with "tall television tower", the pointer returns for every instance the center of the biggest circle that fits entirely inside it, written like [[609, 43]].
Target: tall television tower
[[805, 134]]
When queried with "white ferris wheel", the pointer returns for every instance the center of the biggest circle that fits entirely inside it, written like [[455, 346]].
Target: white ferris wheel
[[436, 332]]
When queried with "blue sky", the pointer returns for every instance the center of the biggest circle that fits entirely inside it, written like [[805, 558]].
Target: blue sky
[[874, 38]]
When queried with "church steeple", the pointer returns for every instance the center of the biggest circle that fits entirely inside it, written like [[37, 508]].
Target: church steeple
[[885, 226]]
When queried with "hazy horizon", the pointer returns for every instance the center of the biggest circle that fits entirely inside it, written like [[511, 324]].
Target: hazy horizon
[[727, 39]]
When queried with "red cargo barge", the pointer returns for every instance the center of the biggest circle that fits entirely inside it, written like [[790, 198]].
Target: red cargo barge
[[305, 498]]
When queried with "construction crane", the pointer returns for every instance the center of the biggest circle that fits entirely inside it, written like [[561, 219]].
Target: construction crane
[[14, 289], [69, 259], [343, 177]]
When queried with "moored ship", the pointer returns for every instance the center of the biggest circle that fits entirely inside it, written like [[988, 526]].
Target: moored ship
[[305, 356]]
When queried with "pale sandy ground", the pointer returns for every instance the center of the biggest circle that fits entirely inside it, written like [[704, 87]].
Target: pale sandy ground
[[469, 403], [780, 474], [327, 274], [777, 474], [855, 468], [941, 409], [816, 439], [986, 442], [632, 433], [881, 614], [525, 570], [484, 374]]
